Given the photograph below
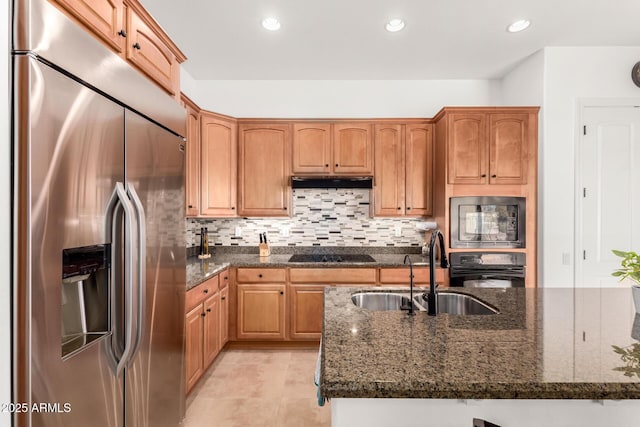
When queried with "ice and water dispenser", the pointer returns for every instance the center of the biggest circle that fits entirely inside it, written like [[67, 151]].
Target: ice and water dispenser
[[85, 296]]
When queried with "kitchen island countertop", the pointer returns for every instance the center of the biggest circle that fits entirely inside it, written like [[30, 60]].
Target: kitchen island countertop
[[544, 344]]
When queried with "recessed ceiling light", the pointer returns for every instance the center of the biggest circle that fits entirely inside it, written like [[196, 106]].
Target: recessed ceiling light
[[518, 26], [271, 24], [395, 25]]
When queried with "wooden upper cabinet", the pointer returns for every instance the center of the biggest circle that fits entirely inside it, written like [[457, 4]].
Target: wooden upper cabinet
[[150, 54], [219, 159], [418, 156], [263, 161], [105, 18], [312, 148], [389, 171], [352, 149], [467, 149], [508, 148], [403, 169], [192, 166]]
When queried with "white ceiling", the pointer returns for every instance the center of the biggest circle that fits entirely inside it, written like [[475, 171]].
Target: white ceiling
[[346, 39]]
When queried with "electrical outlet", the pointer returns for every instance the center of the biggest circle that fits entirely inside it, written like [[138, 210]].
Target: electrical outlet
[[238, 232], [285, 231], [398, 231], [566, 258]]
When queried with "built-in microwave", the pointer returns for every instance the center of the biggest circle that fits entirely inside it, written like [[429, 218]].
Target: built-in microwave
[[487, 222]]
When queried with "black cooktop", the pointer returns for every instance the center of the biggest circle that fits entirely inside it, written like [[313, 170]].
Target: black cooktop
[[331, 258]]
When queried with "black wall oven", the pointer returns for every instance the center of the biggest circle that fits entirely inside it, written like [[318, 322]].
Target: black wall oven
[[487, 269], [487, 222]]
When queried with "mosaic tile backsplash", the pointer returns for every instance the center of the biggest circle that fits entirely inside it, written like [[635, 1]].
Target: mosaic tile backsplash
[[331, 217]]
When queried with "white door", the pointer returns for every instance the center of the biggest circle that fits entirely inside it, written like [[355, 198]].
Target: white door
[[608, 199]]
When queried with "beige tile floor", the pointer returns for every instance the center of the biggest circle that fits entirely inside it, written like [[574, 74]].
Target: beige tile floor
[[256, 388]]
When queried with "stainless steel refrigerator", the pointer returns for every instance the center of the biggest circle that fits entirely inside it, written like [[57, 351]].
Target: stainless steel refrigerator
[[99, 251]]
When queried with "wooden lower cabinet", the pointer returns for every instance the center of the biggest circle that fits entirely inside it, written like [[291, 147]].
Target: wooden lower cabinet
[[261, 311], [305, 311], [206, 327], [194, 354]]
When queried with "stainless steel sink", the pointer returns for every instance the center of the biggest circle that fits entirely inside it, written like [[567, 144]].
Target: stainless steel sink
[[448, 302], [462, 304], [381, 301]]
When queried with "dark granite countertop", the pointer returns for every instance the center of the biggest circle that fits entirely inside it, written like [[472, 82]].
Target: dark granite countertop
[[544, 344], [200, 270]]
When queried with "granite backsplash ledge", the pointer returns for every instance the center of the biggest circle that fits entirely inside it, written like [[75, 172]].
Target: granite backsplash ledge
[[321, 217]]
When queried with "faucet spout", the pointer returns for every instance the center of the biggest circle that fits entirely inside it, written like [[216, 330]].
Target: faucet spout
[[432, 298], [410, 309]]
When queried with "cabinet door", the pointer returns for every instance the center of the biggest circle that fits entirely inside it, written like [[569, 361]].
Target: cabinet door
[[418, 169], [261, 311], [467, 149], [105, 18], [311, 148], [389, 171], [211, 328], [352, 149], [224, 316], [508, 153], [193, 346], [219, 166], [192, 167], [147, 51], [306, 311], [264, 160]]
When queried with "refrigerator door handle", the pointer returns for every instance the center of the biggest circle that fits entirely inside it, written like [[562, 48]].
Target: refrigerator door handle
[[142, 261], [119, 200]]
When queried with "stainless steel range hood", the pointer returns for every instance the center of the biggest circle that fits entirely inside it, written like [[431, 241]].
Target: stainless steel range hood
[[332, 182]]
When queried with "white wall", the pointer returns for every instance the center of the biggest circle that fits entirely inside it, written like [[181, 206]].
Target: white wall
[[572, 74], [338, 98], [5, 219]]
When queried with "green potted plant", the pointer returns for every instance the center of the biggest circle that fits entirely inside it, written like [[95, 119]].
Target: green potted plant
[[630, 268]]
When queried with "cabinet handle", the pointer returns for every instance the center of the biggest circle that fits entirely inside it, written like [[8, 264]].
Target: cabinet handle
[[122, 33], [484, 175], [208, 310], [281, 292], [260, 275], [494, 176], [202, 314], [206, 291], [190, 206], [223, 298], [136, 46]]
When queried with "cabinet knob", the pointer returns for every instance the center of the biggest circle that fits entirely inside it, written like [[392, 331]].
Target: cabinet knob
[[494, 176], [281, 292], [484, 175], [233, 207], [136, 46], [122, 33], [327, 165], [260, 275], [226, 278], [208, 310], [206, 291], [399, 208], [190, 206], [223, 298], [202, 314], [408, 209], [337, 165], [284, 208]]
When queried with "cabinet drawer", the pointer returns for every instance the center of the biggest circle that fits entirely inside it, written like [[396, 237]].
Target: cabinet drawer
[[261, 275], [333, 275], [196, 295], [224, 279], [401, 275]]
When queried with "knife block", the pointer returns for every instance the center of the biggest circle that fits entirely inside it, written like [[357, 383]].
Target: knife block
[[264, 249]]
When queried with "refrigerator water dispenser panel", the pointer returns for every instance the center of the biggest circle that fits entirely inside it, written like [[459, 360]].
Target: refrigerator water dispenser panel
[[84, 297]]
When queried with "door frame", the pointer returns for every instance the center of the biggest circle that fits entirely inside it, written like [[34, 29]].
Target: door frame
[[581, 105]]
